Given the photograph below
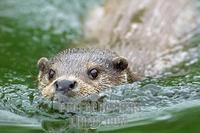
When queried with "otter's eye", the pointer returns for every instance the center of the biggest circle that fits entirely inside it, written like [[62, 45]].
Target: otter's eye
[[93, 73], [51, 73]]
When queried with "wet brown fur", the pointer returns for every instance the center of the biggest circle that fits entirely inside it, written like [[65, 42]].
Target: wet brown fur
[[73, 64]]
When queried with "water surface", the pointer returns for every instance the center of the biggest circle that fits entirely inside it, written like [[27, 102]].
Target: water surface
[[32, 29]]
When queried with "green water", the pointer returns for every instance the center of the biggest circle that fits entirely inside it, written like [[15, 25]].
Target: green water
[[32, 29]]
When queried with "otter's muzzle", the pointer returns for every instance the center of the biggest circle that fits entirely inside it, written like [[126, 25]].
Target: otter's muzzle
[[65, 85]]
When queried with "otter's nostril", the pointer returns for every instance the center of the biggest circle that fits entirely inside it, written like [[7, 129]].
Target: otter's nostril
[[73, 84], [56, 84]]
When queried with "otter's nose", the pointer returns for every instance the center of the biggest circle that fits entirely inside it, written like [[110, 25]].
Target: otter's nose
[[65, 85]]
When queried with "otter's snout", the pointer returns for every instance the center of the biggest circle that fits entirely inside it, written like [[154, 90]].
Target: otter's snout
[[65, 85]]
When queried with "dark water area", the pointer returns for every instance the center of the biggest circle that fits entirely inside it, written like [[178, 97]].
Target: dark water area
[[32, 29]]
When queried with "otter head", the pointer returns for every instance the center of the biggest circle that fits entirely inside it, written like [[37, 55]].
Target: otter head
[[81, 72]]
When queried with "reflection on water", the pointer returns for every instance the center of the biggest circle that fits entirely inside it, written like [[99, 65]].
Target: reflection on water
[[30, 29]]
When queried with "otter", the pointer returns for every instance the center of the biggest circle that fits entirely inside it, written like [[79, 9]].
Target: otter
[[133, 45], [80, 72]]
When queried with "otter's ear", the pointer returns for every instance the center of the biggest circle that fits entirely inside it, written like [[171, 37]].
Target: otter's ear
[[120, 63], [42, 63]]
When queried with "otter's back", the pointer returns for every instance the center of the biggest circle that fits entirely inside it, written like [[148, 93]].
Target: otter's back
[[142, 31]]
